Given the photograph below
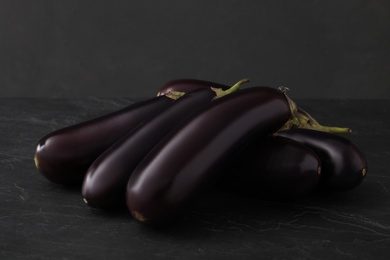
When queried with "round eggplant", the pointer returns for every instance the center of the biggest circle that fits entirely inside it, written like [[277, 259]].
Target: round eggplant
[[63, 156], [105, 183], [188, 85], [189, 158], [343, 165], [272, 167]]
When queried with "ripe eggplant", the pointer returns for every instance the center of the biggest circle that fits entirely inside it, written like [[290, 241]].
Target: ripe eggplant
[[188, 159], [302, 119], [63, 156], [343, 165], [188, 85], [105, 183], [272, 167]]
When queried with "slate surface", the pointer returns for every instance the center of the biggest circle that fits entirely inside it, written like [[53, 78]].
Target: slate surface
[[42, 220]]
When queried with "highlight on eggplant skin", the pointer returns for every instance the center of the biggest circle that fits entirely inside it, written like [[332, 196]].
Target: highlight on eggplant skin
[[344, 166], [188, 159], [63, 156], [105, 183], [188, 85], [272, 167]]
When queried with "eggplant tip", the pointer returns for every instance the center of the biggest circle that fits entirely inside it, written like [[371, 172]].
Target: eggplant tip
[[36, 161], [319, 170], [85, 201], [138, 216], [364, 171]]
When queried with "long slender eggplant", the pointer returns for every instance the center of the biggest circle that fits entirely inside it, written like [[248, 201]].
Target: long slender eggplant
[[63, 156], [272, 167], [105, 182], [302, 118], [188, 85], [343, 165], [189, 158]]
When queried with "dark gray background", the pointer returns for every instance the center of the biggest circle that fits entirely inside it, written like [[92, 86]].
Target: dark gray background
[[320, 49]]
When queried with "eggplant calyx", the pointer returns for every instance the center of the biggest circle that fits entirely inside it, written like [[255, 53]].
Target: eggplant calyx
[[302, 119], [308, 122], [175, 95], [294, 120], [219, 92]]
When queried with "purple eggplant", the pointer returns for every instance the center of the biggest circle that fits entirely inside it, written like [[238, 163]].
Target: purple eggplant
[[190, 157], [302, 119], [272, 167], [188, 85], [343, 165], [105, 182], [63, 156]]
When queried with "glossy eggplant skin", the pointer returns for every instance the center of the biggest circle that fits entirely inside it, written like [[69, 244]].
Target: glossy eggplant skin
[[189, 158], [63, 156], [188, 85], [274, 167], [105, 183], [343, 165]]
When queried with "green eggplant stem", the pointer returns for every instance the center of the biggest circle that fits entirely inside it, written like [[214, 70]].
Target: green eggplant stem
[[175, 95], [220, 92], [302, 119], [310, 123]]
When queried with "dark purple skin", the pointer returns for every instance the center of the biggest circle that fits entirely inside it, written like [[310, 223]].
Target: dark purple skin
[[343, 164], [188, 85], [188, 159], [274, 167], [105, 183], [63, 156]]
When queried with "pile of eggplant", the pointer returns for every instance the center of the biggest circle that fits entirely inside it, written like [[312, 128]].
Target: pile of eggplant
[[155, 155]]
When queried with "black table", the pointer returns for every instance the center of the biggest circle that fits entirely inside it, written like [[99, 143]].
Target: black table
[[42, 220]]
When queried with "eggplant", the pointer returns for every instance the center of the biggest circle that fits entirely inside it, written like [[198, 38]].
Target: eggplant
[[188, 85], [63, 156], [302, 118], [274, 167], [105, 183], [189, 158], [343, 164]]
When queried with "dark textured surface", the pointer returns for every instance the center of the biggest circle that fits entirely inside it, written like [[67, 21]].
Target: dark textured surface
[[326, 49], [41, 220]]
